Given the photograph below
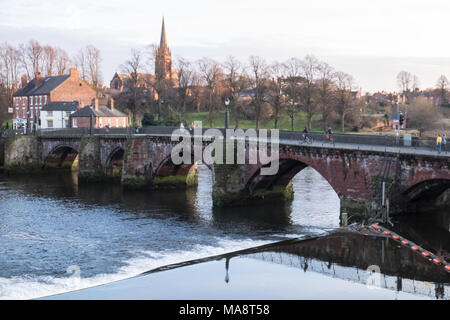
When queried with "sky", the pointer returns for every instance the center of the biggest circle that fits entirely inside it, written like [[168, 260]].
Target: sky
[[371, 40]]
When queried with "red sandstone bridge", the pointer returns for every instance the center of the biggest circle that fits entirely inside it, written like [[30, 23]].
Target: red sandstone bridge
[[368, 173]]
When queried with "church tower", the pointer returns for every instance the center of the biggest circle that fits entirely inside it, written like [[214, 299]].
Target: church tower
[[163, 59]]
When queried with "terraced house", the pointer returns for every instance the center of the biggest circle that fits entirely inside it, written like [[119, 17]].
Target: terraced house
[[31, 98], [99, 116]]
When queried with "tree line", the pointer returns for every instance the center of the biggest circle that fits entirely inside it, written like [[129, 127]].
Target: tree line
[[258, 90]]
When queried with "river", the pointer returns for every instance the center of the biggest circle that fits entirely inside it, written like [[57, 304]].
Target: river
[[51, 228]]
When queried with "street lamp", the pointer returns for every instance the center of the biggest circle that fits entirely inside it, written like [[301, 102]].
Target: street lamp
[[227, 112], [398, 124]]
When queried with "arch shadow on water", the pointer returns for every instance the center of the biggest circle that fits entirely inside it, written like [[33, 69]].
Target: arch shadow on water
[[61, 157]]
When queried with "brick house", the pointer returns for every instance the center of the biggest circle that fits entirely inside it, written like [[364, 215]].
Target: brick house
[[34, 95], [100, 116]]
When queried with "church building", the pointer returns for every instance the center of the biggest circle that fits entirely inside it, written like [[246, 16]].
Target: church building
[[163, 69]]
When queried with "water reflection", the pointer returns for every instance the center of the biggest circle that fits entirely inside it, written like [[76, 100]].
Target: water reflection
[[379, 262], [429, 229]]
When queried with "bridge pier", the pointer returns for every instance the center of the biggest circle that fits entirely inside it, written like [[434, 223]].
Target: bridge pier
[[230, 188], [137, 167], [357, 209], [89, 162], [22, 154]]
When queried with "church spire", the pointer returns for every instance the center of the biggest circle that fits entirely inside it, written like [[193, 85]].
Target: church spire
[[163, 43], [163, 61]]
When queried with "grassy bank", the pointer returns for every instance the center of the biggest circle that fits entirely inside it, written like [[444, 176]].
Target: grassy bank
[[284, 122]]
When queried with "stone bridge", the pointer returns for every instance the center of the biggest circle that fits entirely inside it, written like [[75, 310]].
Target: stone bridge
[[411, 176]]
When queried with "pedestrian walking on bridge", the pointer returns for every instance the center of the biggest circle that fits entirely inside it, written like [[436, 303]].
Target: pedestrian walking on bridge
[[444, 142], [439, 143]]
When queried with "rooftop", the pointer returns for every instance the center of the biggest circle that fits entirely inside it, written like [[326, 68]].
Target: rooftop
[[48, 84], [61, 106], [103, 111]]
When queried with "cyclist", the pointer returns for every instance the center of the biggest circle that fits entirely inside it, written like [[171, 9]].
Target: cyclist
[[305, 136], [328, 135]]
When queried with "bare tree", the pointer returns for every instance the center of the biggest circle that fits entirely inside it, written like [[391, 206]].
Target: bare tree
[[441, 86], [93, 59], [211, 73], [185, 81], [259, 71], [325, 87], [237, 82], [88, 61], [310, 68], [10, 68], [49, 60], [32, 58], [292, 72], [277, 98], [62, 61], [133, 67], [80, 61], [344, 105], [404, 81]]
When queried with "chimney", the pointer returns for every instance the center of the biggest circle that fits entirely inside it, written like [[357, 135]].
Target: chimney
[[38, 78], [24, 80], [111, 103], [73, 72], [95, 103]]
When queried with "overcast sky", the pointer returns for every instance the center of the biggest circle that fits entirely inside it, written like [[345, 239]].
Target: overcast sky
[[372, 41]]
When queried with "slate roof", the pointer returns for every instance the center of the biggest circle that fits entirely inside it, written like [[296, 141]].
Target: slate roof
[[103, 111], [48, 84], [61, 106]]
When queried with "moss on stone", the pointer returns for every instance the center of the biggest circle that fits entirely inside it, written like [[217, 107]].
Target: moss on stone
[[89, 177], [134, 183], [172, 180]]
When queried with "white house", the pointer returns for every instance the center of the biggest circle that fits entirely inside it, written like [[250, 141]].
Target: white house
[[57, 114]]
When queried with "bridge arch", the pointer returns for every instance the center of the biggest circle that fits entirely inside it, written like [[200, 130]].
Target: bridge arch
[[62, 156], [426, 190], [114, 163], [281, 181], [168, 174]]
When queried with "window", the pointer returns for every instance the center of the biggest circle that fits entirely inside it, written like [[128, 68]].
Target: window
[[40, 100], [45, 99], [50, 123], [109, 122], [74, 123], [117, 123], [124, 122], [101, 123], [31, 101], [17, 101], [49, 113]]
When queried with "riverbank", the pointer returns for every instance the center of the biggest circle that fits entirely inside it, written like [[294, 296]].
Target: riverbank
[[347, 263]]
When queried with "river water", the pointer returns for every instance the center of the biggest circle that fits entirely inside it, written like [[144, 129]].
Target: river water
[[52, 229]]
